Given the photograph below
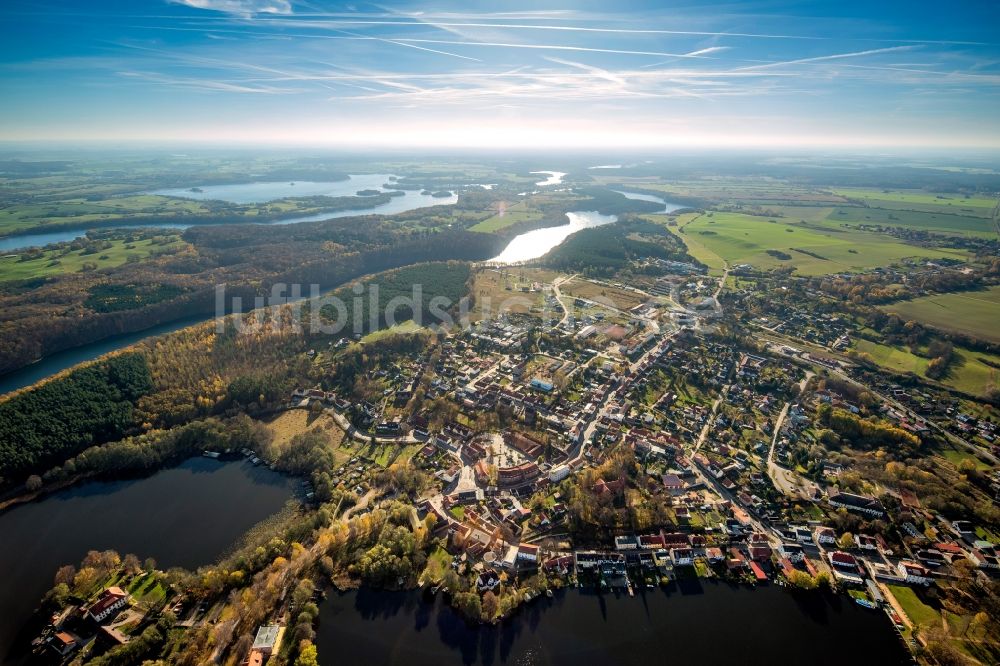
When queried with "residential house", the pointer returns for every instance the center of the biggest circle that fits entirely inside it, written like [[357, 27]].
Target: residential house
[[108, 604], [858, 503], [825, 536], [913, 573], [682, 556]]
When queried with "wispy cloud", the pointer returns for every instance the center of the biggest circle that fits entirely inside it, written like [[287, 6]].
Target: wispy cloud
[[549, 47], [240, 7], [205, 84], [835, 56]]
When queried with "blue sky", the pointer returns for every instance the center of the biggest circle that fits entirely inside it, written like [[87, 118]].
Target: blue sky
[[582, 74]]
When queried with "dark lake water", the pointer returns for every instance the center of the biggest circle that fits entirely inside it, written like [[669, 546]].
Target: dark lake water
[[183, 516], [699, 623]]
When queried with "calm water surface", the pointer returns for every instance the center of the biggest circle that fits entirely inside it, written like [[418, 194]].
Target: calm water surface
[[259, 193], [699, 623], [184, 516], [668, 207], [554, 177], [534, 244]]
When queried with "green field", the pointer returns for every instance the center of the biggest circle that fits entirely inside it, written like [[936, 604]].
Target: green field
[[919, 613], [65, 260], [959, 202], [814, 250], [514, 214], [968, 373], [976, 313], [910, 219]]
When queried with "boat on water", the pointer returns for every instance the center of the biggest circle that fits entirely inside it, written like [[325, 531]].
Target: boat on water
[[865, 602]]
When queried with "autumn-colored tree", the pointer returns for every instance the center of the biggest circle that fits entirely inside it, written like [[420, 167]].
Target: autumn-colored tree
[[490, 604]]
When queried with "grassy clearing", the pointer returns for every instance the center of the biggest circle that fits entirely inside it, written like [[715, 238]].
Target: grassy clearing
[[920, 614], [494, 290], [956, 457], [511, 215], [408, 326], [622, 299], [294, 422], [65, 260], [747, 239], [972, 312]]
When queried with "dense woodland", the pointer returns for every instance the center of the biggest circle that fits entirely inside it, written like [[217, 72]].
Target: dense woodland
[[89, 405], [62, 312], [605, 250]]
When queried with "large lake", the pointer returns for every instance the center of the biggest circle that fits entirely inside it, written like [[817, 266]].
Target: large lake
[[668, 207], [699, 623], [184, 516], [262, 192], [534, 244]]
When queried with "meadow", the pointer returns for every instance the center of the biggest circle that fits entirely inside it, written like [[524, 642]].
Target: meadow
[[810, 249], [958, 203], [976, 313], [65, 260], [970, 372], [513, 214]]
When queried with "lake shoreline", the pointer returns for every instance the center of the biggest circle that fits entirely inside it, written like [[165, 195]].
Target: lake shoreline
[[561, 623]]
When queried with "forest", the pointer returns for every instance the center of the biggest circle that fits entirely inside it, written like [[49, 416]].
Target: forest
[[44, 316], [90, 405], [605, 250]]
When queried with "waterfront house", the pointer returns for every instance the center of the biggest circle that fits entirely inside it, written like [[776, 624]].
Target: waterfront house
[[108, 604], [682, 556], [62, 643]]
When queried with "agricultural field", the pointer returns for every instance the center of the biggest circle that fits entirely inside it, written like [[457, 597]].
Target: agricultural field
[[976, 313], [769, 243], [970, 372], [942, 222], [957, 204], [45, 263], [511, 215]]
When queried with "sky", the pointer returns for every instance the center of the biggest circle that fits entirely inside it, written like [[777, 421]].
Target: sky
[[588, 75]]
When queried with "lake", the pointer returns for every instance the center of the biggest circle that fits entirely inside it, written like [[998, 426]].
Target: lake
[[60, 361], [554, 177], [668, 207], [183, 516], [245, 193], [698, 622], [535, 243]]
